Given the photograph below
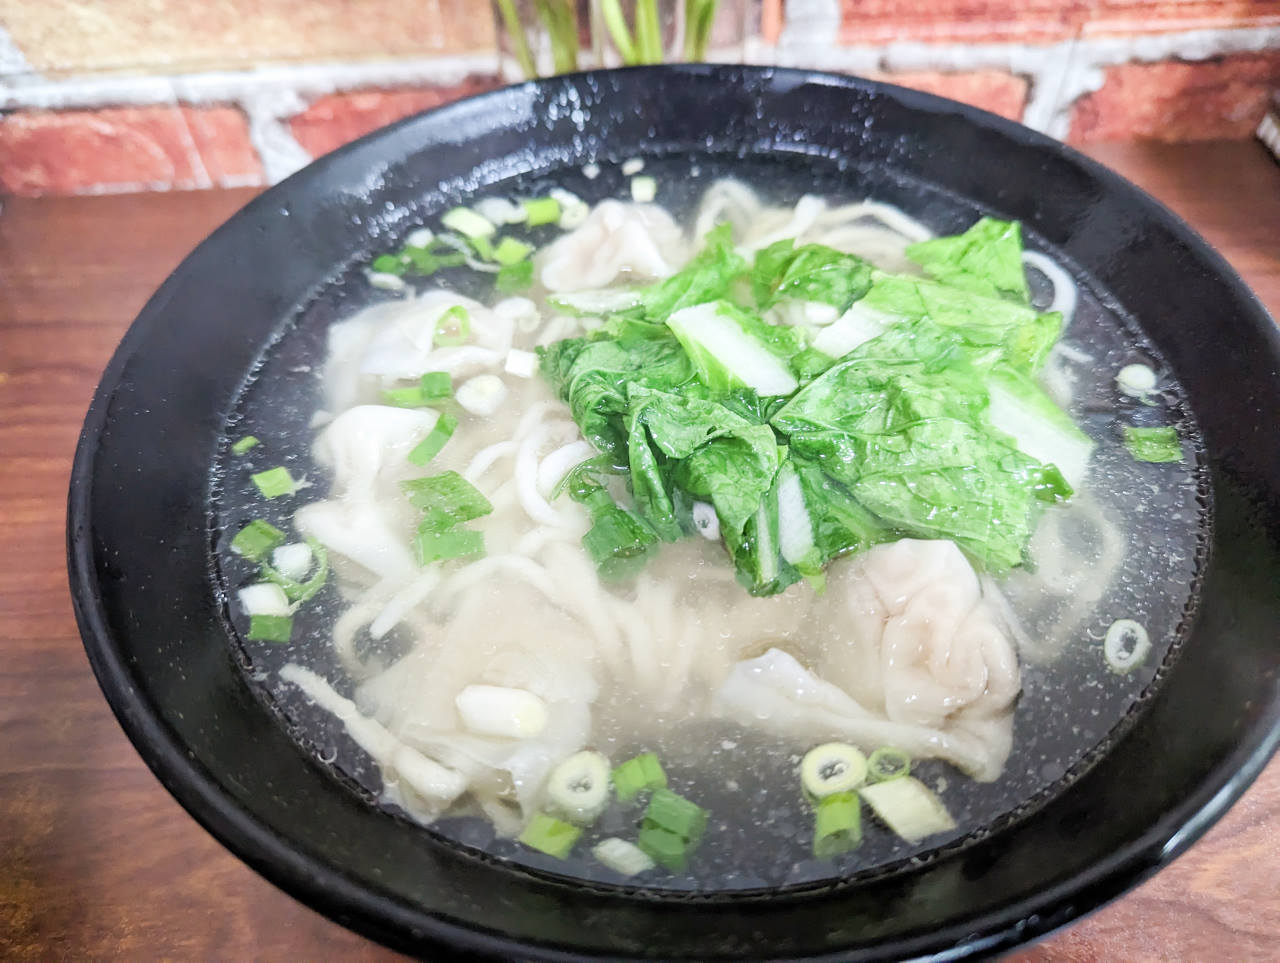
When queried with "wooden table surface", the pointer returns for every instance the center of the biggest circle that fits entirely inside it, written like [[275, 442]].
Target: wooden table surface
[[97, 861]]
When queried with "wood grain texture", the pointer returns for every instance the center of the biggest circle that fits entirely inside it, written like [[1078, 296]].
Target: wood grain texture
[[98, 862]]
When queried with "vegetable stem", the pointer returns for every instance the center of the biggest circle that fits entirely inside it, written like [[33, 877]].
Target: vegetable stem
[[616, 23], [519, 43], [648, 32], [699, 15]]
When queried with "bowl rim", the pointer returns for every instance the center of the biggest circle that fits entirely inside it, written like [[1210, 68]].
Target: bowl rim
[[387, 918]]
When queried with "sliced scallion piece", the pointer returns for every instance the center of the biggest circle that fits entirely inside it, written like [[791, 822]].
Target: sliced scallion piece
[[257, 539], [888, 763], [622, 857], [245, 444], [549, 835], [274, 482], [514, 277], [434, 387], [299, 590], [909, 808], [388, 264], [264, 598], [270, 628], [447, 499], [467, 223], [432, 546], [643, 189], [452, 328], [1126, 646], [672, 812], [293, 560], [664, 848], [638, 775], [837, 824], [578, 788], [430, 446], [541, 210], [833, 767], [1153, 444], [510, 251]]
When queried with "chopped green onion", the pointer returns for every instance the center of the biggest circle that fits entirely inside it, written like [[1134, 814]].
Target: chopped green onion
[[511, 251], [441, 546], [514, 277], [296, 590], [663, 847], [549, 835], [672, 812], [264, 598], [388, 264], [541, 210], [256, 539], [244, 444], [624, 858], [909, 808], [833, 767], [638, 775], [275, 482], [435, 386], [447, 499], [643, 189], [467, 223], [837, 825], [578, 788], [887, 763], [482, 246], [1126, 646], [452, 328], [430, 446], [270, 628], [1153, 444]]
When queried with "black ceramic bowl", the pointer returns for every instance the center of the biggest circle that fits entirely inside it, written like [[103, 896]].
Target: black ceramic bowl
[[152, 616]]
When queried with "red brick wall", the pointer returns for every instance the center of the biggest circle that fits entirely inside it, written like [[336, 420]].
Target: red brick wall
[[115, 95]]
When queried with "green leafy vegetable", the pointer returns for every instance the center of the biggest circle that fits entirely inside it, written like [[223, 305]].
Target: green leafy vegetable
[[1153, 444], [915, 414], [446, 500], [708, 277], [619, 541], [986, 259], [813, 272]]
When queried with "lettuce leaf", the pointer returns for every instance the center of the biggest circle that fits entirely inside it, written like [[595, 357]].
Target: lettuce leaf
[[1014, 333], [900, 426], [710, 276], [702, 448], [986, 260], [812, 272]]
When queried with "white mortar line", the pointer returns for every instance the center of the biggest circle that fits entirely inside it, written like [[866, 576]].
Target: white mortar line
[[232, 86], [12, 59]]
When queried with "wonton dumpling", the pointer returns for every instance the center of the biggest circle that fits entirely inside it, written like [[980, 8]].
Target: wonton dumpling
[[922, 662], [636, 241]]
